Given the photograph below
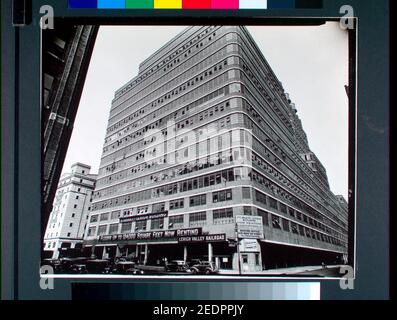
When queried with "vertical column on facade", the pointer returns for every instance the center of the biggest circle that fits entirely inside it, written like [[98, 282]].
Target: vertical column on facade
[[209, 251], [146, 254], [104, 252], [117, 251], [185, 253]]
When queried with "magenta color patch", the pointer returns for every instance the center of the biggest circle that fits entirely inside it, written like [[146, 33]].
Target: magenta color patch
[[224, 4]]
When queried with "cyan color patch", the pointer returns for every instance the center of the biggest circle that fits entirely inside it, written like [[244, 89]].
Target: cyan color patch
[[111, 4]]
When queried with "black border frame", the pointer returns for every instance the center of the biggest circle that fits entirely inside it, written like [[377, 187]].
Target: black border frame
[[19, 53]]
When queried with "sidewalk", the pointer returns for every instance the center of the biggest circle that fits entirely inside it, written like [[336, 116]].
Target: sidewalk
[[281, 271]]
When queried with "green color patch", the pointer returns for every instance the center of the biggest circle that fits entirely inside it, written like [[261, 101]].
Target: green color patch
[[139, 4]]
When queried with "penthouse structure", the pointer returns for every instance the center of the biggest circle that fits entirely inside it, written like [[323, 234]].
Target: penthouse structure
[[205, 157]]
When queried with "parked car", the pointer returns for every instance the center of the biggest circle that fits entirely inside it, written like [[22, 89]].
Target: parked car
[[179, 266], [54, 263], [98, 266], [203, 267], [122, 267], [66, 264], [78, 269], [134, 270]]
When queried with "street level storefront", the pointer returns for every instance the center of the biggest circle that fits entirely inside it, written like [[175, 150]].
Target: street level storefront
[[157, 247]]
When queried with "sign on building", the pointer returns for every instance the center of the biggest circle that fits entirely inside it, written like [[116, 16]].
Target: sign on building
[[249, 227], [152, 235], [249, 245], [206, 238]]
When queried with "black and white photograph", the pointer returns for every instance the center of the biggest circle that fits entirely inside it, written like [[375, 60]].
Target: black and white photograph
[[196, 151]]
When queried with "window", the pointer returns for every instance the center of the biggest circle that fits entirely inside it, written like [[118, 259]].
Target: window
[[115, 215], [197, 218], [157, 224], [248, 211], [283, 208], [285, 225], [114, 228], [71, 224], [158, 207], [198, 200], [223, 216], [75, 206], [140, 225], [273, 203], [77, 197], [294, 227], [260, 197], [223, 195], [291, 212], [265, 217], [73, 215], [301, 230], [69, 234], [143, 209], [175, 222], [246, 193], [276, 222], [177, 204], [102, 230], [104, 216], [126, 227]]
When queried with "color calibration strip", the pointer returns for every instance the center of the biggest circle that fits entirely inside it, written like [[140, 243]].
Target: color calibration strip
[[196, 4]]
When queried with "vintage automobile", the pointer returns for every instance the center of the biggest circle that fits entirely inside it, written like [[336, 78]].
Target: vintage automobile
[[67, 264], [124, 267], [177, 266], [98, 266], [203, 267], [78, 269], [55, 264], [135, 271]]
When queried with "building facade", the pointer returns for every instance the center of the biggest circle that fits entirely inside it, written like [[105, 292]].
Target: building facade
[[66, 55], [71, 207], [205, 157]]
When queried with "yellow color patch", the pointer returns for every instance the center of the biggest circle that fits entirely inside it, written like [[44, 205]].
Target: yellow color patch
[[167, 4]]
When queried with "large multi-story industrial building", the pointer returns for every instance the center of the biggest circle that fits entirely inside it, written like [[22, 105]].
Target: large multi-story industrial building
[[205, 158], [71, 207]]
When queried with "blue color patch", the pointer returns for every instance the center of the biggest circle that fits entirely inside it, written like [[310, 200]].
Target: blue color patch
[[83, 4]]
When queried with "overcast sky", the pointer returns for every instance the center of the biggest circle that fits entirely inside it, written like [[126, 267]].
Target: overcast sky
[[311, 62]]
